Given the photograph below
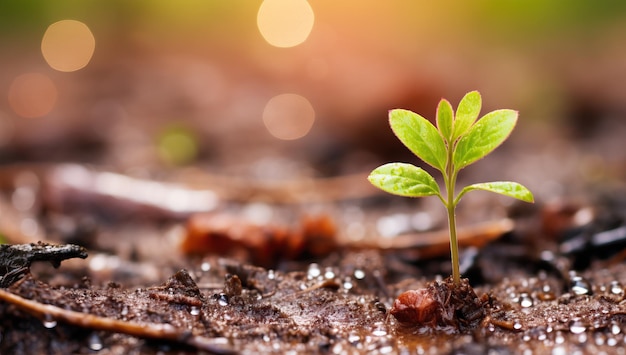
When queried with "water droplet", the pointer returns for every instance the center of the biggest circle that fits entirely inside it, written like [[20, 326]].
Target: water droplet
[[559, 338], [347, 284], [525, 300], [542, 336], [577, 327], [615, 329], [222, 299], [205, 266], [49, 322], [359, 274], [379, 333], [388, 349], [337, 349], [314, 271], [354, 338], [580, 286], [271, 275], [616, 288], [95, 343], [517, 325], [266, 338], [546, 293], [194, 311], [599, 338], [329, 274], [124, 310]]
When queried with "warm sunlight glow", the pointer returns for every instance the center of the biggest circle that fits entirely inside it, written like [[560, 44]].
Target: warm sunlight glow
[[285, 23], [288, 116], [68, 45], [32, 95]]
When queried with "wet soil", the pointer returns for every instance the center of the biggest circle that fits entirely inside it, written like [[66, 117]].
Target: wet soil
[[523, 299]]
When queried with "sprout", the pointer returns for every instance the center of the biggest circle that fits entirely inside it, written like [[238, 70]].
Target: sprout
[[458, 140]]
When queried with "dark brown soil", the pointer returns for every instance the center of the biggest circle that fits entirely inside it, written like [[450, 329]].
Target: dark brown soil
[[341, 303]]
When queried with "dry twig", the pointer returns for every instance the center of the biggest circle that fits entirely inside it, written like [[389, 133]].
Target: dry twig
[[90, 321]]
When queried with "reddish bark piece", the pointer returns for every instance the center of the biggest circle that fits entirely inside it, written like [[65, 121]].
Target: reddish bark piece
[[264, 245], [441, 305]]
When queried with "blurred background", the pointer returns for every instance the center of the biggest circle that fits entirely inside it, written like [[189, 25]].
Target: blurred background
[[290, 88]]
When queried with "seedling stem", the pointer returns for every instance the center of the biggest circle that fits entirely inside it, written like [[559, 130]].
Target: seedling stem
[[458, 140]]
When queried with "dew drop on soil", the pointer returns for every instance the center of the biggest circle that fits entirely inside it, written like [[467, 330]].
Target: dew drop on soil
[[338, 349], [95, 343], [205, 266], [354, 338], [314, 271], [271, 275], [347, 284], [579, 285], [616, 288], [329, 274], [546, 293], [359, 274], [542, 336], [517, 325], [379, 332], [577, 327], [386, 349], [615, 329], [525, 300], [559, 338], [222, 299], [124, 311], [49, 322], [194, 311], [599, 338]]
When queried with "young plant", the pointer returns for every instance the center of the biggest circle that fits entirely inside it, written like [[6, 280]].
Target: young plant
[[458, 141]]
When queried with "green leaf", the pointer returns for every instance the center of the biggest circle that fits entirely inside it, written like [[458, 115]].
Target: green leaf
[[483, 137], [404, 180], [445, 116], [466, 113], [507, 188], [420, 136]]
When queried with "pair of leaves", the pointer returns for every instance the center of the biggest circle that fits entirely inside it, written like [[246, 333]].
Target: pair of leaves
[[469, 140], [410, 181], [475, 139], [452, 127]]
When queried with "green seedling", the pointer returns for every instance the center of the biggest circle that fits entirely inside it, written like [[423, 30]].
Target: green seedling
[[458, 140]]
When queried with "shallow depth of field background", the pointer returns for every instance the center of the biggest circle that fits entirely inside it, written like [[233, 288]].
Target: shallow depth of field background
[[279, 89]]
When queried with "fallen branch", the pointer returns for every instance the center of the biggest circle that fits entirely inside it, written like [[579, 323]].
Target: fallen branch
[[140, 330]]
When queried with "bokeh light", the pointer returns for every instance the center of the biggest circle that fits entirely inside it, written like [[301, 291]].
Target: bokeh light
[[68, 45], [32, 95], [285, 23], [288, 116]]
